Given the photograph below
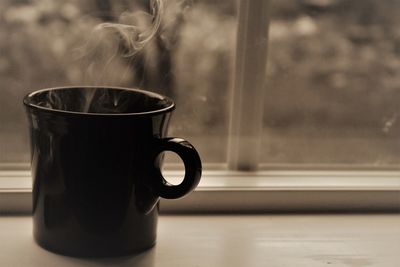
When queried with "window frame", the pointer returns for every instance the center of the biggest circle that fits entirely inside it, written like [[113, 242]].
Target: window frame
[[248, 90], [254, 192]]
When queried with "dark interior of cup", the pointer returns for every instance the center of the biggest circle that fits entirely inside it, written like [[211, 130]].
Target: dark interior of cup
[[99, 100]]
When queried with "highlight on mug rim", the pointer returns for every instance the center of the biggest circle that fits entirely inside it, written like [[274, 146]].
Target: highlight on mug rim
[[167, 103]]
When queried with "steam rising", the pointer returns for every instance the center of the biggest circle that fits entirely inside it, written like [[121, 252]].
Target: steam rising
[[102, 56], [134, 38], [105, 100]]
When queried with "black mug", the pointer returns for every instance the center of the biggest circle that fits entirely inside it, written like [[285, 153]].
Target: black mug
[[96, 159]]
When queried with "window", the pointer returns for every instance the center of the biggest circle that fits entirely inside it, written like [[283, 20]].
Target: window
[[49, 43], [333, 84], [327, 99]]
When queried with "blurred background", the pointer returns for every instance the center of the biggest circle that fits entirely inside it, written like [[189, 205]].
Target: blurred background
[[333, 76]]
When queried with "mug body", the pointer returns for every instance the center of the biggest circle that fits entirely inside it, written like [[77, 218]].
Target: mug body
[[92, 168]]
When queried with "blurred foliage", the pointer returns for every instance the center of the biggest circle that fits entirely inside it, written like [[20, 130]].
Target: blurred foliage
[[332, 63], [35, 43]]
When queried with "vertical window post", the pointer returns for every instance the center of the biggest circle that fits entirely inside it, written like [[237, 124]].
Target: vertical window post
[[247, 98]]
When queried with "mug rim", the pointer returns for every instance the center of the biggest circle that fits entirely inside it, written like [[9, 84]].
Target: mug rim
[[171, 105]]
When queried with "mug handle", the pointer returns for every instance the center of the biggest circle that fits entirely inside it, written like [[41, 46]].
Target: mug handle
[[191, 161]]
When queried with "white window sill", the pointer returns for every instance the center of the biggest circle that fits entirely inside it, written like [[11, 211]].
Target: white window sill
[[258, 192], [234, 241]]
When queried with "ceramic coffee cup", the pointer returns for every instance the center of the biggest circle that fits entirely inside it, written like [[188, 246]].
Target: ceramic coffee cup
[[96, 159]]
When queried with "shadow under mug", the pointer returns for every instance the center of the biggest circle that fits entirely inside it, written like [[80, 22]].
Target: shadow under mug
[[96, 159]]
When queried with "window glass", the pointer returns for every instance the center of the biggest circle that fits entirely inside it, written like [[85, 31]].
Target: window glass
[[47, 43], [333, 89]]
